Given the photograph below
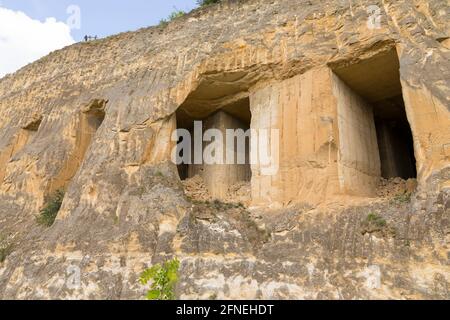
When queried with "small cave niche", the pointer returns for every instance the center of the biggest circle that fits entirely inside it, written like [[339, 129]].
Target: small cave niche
[[18, 142], [376, 82], [223, 111], [93, 114], [91, 118], [33, 124], [27, 133]]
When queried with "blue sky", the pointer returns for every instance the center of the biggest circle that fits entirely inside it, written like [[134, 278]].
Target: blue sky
[[102, 17], [31, 29]]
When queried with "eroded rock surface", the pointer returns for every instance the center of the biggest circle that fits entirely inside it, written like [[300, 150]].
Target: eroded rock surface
[[96, 118]]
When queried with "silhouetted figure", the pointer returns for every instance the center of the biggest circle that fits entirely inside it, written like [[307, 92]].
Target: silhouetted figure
[[90, 38]]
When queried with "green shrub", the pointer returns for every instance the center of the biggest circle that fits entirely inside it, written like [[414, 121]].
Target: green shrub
[[175, 14], [216, 204], [48, 214], [376, 220], [163, 280], [403, 198], [179, 13], [5, 248]]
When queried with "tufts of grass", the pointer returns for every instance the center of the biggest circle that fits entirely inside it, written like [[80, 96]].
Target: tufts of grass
[[403, 198], [376, 220], [377, 225], [5, 248], [174, 15], [216, 204], [48, 214], [179, 13], [224, 206]]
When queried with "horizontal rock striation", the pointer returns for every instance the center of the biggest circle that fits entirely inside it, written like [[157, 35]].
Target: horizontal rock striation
[[95, 119]]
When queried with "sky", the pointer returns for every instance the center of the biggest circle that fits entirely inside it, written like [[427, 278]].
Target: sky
[[30, 29]]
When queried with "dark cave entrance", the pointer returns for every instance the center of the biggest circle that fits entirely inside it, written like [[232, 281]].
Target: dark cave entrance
[[222, 106], [377, 81], [235, 116], [395, 141]]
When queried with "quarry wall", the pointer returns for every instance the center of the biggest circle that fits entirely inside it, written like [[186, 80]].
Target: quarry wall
[[96, 119]]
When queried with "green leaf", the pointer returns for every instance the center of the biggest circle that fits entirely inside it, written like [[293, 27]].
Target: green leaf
[[149, 274], [153, 295], [172, 275], [163, 280]]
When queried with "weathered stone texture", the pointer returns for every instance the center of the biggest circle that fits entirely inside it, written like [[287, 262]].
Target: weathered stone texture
[[95, 118]]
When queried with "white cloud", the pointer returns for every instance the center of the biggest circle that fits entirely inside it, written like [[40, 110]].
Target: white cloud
[[24, 40]]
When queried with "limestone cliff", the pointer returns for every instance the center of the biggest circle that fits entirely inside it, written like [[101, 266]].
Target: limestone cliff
[[95, 119]]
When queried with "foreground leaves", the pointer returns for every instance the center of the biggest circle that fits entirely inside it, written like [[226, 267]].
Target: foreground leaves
[[163, 279]]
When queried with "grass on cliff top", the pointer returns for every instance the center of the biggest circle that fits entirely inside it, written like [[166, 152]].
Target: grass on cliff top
[[175, 14], [48, 214], [179, 13]]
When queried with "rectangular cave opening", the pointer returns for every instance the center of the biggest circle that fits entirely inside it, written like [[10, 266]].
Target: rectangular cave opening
[[372, 110], [215, 167]]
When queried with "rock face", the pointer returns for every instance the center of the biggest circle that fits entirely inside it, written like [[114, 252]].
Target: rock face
[[357, 91]]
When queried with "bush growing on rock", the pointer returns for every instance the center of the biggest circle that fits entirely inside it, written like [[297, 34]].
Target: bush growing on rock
[[48, 214], [5, 248], [179, 13], [163, 279], [376, 220], [175, 14]]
